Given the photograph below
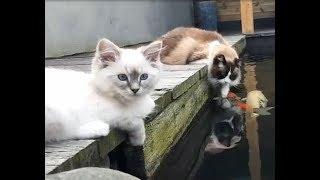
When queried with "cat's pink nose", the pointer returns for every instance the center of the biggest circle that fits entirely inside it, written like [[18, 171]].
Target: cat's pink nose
[[135, 90]]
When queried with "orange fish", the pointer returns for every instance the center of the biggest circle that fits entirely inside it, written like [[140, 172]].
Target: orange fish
[[243, 106], [237, 101], [232, 97]]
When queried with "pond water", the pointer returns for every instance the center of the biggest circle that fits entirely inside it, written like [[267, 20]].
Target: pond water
[[253, 157]]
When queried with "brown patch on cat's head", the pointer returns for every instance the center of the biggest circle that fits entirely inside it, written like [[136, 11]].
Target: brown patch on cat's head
[[220, 68]]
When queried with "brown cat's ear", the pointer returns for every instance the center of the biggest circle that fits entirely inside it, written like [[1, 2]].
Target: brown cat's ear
[[152, 51], [219, 58], [237, 62], [107, 51]]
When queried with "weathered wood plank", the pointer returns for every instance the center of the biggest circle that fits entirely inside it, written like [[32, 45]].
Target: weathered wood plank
[[170, 68], [180, 83], [171, 123], [108, 143], [233, 8], [68, 61], [229, 10], [177, 74], [233, 40], [81, 68], [240, 45], [256, 15], [65, 155], [183, 87], [169, 83], [162, 100]]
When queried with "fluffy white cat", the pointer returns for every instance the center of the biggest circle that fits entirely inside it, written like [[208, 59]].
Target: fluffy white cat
[[116, 94]]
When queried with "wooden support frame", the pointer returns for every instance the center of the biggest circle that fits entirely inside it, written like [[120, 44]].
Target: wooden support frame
[[246, 16]]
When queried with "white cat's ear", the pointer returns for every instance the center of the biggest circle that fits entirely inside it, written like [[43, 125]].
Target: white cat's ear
[[152, 51], [107, 51]]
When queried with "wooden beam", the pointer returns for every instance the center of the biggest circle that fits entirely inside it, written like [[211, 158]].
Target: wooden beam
[[246, 16]]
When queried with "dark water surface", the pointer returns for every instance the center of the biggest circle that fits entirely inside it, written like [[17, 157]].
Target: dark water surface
[[254, 157]]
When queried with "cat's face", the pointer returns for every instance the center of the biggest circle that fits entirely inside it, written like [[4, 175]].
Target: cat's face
[[226, 130], [126, 72], [223, 67], [224, 133]]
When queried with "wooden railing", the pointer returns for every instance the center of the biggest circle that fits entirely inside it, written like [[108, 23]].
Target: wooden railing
[[245, 11]]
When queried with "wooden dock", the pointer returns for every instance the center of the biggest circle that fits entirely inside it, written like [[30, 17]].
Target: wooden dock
[[179, 95]]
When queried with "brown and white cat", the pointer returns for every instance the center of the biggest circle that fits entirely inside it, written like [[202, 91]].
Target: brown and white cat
[[184, 45]]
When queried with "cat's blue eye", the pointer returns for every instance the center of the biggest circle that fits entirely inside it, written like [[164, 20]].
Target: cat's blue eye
[[122, 77], [144, 76]]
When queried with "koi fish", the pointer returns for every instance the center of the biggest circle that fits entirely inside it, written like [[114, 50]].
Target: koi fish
[[255, 102]]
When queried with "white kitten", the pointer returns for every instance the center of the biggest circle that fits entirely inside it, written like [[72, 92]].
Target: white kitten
[[115, 95]]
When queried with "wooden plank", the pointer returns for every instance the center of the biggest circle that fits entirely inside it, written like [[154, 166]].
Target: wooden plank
[[229, 10], [234, 39], [108, 143], [180, 83], [261, 15], [162, 99], [70, 154], [237, 17], [58, 153], [68, 61], [234, 7], [256, 9], [81, 68], [246, 16], [166, 67], [166, 129], [177, 74], [225, 4]]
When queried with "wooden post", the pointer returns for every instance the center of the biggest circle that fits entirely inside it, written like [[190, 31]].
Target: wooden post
[[246, 16]]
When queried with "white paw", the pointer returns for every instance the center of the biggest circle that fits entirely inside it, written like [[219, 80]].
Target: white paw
[[225, 103], [137, 141], [102, 131], [224, 93], [225, 90], [93, 130], [137, 137]]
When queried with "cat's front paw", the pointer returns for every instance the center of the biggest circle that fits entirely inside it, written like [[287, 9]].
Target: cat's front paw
[[225, 103], [100, 132], [224, 93], [137, 140], [225, 90], [137, 136], [93, 130]]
